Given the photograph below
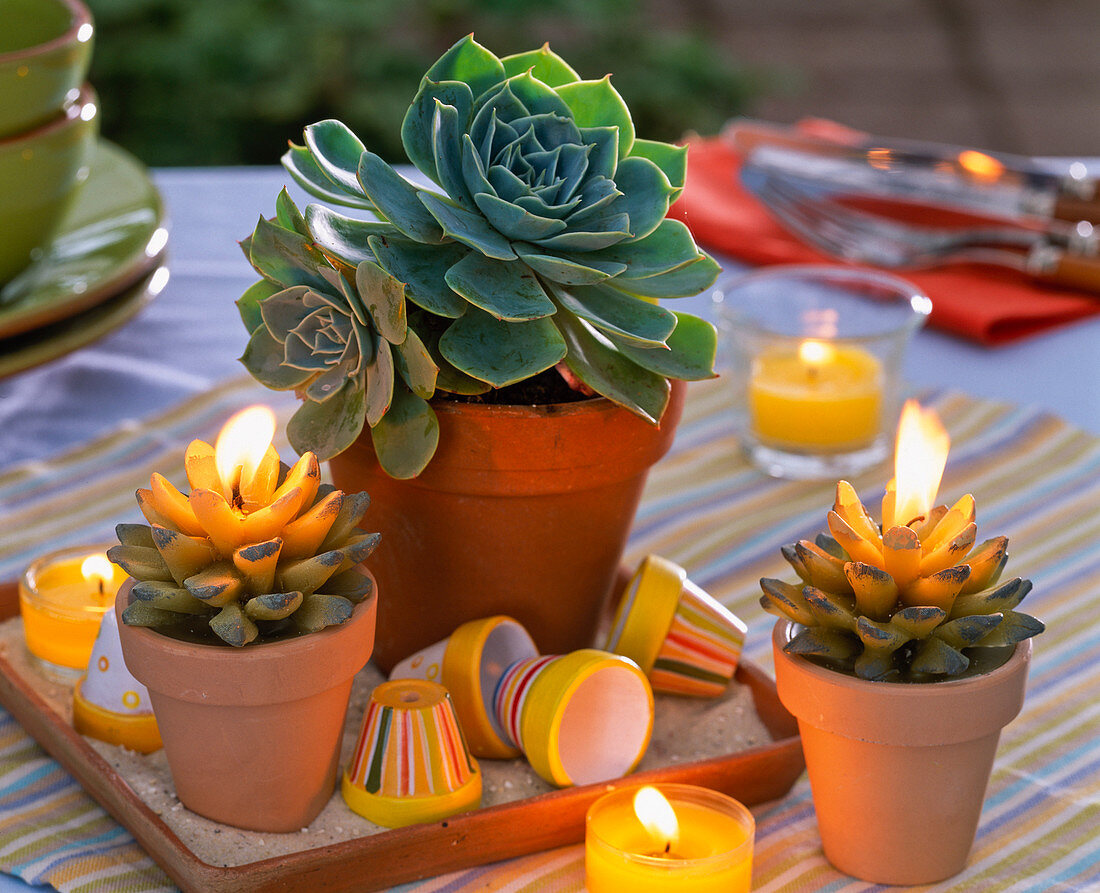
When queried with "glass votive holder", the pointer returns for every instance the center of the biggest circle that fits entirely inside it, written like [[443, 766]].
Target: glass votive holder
[[814, 362], [710, 851], [62, 598]]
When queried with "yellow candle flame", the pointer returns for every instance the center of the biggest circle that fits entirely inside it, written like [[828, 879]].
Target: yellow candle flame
[[919, 460], [97, 570], [658, 818], [241, 445], [815, 353]]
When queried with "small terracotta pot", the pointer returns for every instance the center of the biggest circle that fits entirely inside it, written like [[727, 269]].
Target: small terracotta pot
[[252, 734], [523, 510], [898, 771]]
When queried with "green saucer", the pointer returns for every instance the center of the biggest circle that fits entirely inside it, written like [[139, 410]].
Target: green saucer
[[33, 348], [111, 237]]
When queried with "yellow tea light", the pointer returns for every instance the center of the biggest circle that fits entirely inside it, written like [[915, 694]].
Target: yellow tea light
[[673, 837], [62, 597], [820, 396]]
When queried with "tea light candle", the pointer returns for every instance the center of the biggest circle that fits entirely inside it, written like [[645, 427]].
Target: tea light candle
[[673, 837], [63, 597], [821, 396]]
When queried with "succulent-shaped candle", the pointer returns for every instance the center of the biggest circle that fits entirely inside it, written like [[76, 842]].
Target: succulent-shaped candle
[[914, 600], [257, 550]]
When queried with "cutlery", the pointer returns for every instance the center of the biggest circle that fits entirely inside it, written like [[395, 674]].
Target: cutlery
[[860, 236], [1007, 186]]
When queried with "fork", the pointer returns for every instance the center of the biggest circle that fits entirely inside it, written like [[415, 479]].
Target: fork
[[864, 237]]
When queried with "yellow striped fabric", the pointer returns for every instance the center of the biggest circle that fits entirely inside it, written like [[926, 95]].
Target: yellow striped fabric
[[1035, 479]]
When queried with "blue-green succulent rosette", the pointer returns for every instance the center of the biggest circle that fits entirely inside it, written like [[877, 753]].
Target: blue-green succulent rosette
[[543, 243]]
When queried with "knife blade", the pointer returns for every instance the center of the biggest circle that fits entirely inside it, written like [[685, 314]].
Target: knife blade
[[1007, 186]]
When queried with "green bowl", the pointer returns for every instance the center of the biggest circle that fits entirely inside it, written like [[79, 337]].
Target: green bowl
[[45, 51], [40, 174]]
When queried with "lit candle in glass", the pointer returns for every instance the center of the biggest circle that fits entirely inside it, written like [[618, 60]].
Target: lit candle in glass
[[675, 837], [818, 395], [62, 597]]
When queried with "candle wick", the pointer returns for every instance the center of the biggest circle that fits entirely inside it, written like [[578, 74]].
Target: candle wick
[[101, 586], [668, 847]]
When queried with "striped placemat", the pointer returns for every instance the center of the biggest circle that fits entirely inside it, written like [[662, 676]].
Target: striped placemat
[[1036, 480]]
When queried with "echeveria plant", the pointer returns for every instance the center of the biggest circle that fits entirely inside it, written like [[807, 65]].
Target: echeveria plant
[[542, 243]]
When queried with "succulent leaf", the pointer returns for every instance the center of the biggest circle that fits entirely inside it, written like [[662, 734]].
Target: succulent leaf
[[331, 427], [509, 291], [422, 268], [405, 437], [415, 365], [688, 353], [689, 279], [596, 103], [303, 167], [593, 359], [543, 63], [336, 150], [608, 309], [499, 352], [416, 129], [397, 199], [346, 238]]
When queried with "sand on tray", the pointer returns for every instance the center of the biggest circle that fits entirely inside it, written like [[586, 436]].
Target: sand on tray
[[685, 730]]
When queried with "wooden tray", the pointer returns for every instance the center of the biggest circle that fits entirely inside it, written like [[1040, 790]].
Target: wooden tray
[[394, 857]]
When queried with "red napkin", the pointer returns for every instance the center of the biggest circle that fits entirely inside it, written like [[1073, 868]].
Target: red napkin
[[985, 304]]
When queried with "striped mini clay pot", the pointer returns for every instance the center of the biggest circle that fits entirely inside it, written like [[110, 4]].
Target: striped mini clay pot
[[684, 640], [411, 763]]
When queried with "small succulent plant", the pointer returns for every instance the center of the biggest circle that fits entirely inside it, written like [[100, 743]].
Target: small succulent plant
[[543, 243], [915, 602], [273, 558]]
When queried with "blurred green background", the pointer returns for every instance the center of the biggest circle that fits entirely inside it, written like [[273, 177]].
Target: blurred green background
[[204, 82]]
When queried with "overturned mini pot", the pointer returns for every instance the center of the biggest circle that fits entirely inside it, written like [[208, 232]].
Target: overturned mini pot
[[252, 734], [898, 770]]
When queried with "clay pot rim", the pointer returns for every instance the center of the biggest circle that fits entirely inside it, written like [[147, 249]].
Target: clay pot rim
[[781, 635]]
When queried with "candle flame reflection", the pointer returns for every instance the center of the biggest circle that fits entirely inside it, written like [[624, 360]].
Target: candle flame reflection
[[241, 445], [657, 817], [980, 166], [919, 460]]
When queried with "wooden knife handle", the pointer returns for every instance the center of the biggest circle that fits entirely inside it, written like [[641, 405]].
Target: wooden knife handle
[[1073, 209], [1054, 265]]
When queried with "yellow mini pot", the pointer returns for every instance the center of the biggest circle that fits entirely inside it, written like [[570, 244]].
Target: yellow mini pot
[[411, 763], [469, 664], [579, 718]]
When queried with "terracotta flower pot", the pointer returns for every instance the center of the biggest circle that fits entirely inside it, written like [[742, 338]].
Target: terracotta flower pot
[[898, 771], [523, 510], [252, 734]]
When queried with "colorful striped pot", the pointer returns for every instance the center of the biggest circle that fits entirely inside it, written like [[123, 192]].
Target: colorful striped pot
[[579, 718], [682, 638], [411, 763], [469, 664]]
